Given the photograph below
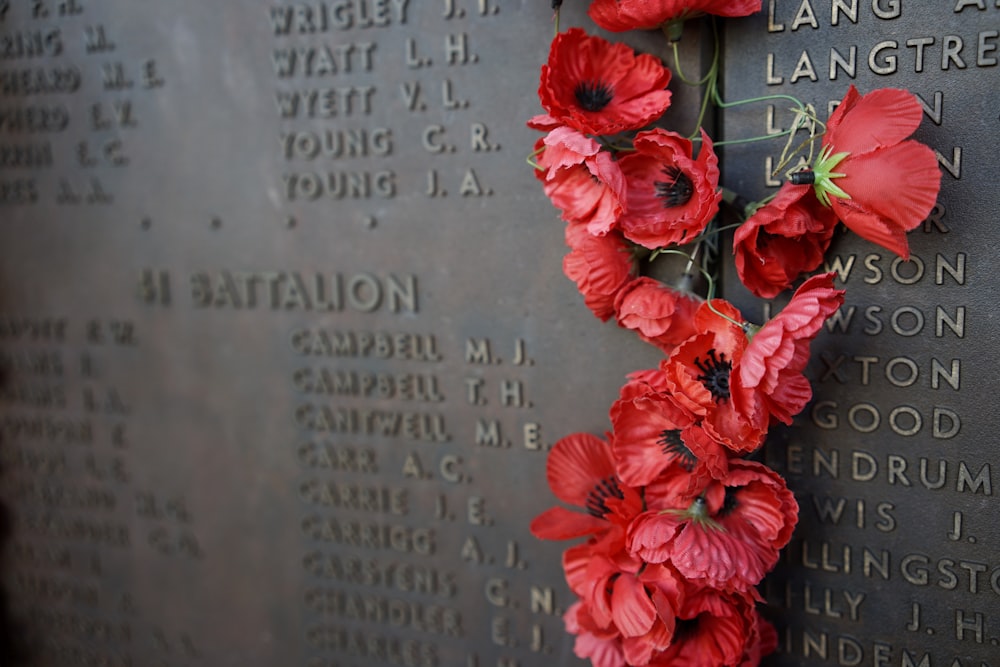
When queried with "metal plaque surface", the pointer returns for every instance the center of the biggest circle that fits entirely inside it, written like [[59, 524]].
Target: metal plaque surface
[[896, 560], [284, 339], [284, 335]]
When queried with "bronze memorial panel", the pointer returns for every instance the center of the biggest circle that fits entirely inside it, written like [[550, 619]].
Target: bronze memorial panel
[[284, 337], [895, 560]]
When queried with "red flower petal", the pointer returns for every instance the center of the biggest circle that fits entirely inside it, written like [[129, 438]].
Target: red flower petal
[[768, 380], [631, 608], [599, 87], [599, 265], [909, 171], [660, 314], [641, 426], [559, 523], [782, 240], [651, 536], [881, 118], [622, 15], [892, 184], [671, 195], [575, 464]]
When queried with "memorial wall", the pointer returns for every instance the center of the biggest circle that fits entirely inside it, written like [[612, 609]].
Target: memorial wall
[[894, 463], [285, 337]]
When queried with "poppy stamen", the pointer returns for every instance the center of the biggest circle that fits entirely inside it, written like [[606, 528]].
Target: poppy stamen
[[715, 374], [604, 489], [672, 445], [729, 503], [676, 190], [593, 95]]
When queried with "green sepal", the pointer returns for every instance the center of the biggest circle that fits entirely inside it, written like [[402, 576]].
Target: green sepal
[[697, 514], [823, 169]]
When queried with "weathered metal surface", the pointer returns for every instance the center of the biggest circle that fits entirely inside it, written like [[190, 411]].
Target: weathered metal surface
[[895, 561], [284, 337]]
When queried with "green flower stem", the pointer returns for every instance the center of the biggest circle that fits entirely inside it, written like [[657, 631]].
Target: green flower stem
[[718, 230], [677, 64], [708, 277], [533, 154], [712, 82]]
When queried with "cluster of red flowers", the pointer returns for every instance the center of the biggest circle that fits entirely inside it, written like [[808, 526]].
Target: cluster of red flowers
[[884, 186], [680, 525], [656, 195]]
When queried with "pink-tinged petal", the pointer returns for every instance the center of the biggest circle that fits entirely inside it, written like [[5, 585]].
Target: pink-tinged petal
[[565, 147], [582, 199], [543, 122], [769, 497], [762, 355], [599, 265], [631, 608], [881, 118], [768, 375], [790, 398], [602, 652], [651, 535], [660, 314], [727, 560], [758, 509], [640, 650], [909, 171], [582, 569]]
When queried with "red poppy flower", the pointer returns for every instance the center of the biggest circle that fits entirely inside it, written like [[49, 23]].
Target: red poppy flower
[[622, 15], [660, 314], [602, 646], [699, 376], [716, 629], [783, 239], [638, 600], [728, 537], [671, 195], [580, 471], [879, 184], [769, 382], [599, 87], [582, 180], [600, 266], [654, 433]]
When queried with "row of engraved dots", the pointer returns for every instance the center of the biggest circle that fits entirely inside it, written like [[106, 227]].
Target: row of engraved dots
[[290, 222]]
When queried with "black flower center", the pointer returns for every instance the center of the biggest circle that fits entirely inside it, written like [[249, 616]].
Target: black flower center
[[672, 445], [676, 190], [729, 503], [715, 374], [604, 489], [685, 628], [593, 95]]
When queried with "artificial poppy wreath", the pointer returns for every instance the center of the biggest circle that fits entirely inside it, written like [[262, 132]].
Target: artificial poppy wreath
[[679, 526]]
